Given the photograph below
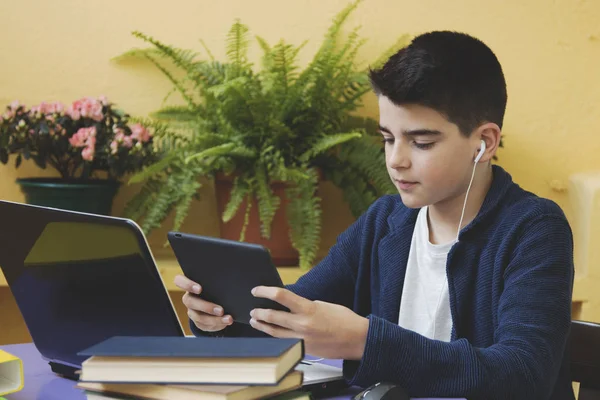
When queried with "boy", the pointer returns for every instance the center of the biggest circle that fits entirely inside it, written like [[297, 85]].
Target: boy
[[460, 286]]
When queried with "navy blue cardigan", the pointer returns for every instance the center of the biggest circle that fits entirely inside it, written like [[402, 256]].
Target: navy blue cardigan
[[510, 278]]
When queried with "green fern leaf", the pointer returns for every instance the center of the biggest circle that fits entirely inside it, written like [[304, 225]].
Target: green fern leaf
[[136, 53], [153, 169], [237, 44], [365, 156], [162, 204], [211, 74], [219, 150], [239, 191], [264, 45], [242, 152], [180, 88], [327, 142], [291, 175], [183, 58], [175, 113], [188, 192], [226, 88], [268, 202], [246, 217], [137, 206], [304, 216], [210, 55], [332, 35]]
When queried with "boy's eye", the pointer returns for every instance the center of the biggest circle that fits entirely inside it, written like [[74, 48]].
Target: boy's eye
[[387, 140], [424, 146]]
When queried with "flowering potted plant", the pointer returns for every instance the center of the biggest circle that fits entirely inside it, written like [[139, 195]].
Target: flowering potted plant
[[91, 144]]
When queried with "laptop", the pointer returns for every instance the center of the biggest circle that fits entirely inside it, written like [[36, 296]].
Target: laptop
[[81, 278]]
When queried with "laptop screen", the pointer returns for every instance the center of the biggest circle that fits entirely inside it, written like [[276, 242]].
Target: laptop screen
[[79, 279]]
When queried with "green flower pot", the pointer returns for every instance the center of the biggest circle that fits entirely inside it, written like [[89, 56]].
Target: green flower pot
[[93, 196]]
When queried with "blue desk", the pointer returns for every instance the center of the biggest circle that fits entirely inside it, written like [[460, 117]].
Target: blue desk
[[42, 384]]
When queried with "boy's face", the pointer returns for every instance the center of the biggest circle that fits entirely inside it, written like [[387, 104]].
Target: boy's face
[[427, 157]]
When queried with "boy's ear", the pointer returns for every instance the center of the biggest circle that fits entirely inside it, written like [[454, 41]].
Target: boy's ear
[[490, 133]]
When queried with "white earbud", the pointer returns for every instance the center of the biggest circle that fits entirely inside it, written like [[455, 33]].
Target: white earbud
[[479, 155], [481, 151]]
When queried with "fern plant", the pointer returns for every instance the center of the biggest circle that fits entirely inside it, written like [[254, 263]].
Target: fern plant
[[277, 122]]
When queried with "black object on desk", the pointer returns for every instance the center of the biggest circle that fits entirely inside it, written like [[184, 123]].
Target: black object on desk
[[65, 371], [383, 391]]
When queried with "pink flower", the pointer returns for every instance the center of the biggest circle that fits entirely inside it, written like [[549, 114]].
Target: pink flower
[[15, 104], [73, 112], [127, 142], [87, 108], [79, 138], [88, 153], [140, 133], [92, 110], [54, 108], [37, 109], [84, 137], [114, 147], [121, 137], [90, 144], [47, 108], [102, 99]]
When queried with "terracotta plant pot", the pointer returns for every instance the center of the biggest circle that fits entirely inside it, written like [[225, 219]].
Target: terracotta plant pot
[[280, 246]]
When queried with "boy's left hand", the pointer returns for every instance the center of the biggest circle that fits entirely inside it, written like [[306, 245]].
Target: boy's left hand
[[329, 330]]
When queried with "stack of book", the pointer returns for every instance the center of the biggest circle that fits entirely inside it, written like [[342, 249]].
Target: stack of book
[[182, 368]]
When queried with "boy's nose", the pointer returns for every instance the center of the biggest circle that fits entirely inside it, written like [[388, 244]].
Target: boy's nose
[[399, 159]]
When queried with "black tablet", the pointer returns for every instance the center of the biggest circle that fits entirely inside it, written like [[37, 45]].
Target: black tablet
[[227, 270]]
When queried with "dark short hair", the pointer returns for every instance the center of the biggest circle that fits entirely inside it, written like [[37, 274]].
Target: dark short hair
[[450, 72]]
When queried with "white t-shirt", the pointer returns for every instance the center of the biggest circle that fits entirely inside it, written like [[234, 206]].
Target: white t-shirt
[[425, 305]]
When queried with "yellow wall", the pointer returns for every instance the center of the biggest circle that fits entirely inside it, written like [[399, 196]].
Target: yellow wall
[[549, 50]]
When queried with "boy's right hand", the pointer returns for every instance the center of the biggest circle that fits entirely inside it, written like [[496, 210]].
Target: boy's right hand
[[208, 317]]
